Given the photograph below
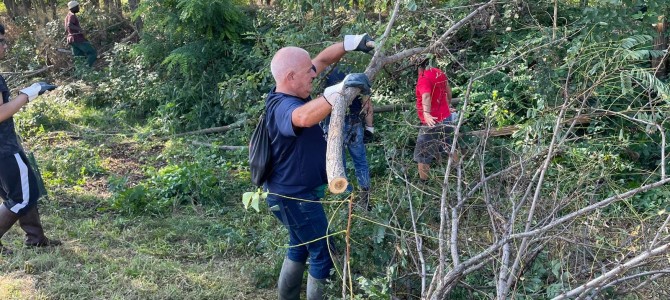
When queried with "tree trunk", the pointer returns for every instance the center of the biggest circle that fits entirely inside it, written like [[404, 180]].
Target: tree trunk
[[660, 43], [26, 5], [138, 21], [11, 8], [54, 9], [108, 5]]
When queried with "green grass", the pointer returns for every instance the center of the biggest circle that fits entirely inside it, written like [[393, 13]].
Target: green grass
[[194, 251], [110, 257]]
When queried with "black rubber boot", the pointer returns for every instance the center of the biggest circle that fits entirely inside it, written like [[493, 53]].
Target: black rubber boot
[[7, 219], [315, 288], [290, 280], [30, 223]]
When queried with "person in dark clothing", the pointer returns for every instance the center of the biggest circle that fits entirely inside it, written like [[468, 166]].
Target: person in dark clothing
[[18, 183], [355, 137], [75, 36], [297, 182]]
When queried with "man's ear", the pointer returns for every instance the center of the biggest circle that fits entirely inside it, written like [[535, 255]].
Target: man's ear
[[290, 75]]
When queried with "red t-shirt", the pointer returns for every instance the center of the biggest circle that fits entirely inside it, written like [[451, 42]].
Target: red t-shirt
[[433, 81]]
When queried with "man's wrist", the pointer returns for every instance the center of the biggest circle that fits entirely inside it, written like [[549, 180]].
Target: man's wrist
[[371, 129]]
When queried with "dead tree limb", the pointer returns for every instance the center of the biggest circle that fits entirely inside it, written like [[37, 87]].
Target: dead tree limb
[[219, 147], [208, 130], [612, 274], [405, 106], [28, 74]]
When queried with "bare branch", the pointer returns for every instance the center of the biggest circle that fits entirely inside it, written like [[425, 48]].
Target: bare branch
[[603, 279]]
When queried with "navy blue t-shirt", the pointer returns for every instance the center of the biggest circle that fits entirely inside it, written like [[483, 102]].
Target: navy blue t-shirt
[[9, 143], [336, 76], [303, 166]]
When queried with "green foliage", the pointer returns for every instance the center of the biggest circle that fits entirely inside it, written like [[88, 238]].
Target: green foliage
[[200, 178], [58, 170], [252, 199], [205, 63]]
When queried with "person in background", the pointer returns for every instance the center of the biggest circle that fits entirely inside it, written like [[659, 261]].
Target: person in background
[[298, 178], [355, 136], [81, 47], [18, 183], [433, 95]]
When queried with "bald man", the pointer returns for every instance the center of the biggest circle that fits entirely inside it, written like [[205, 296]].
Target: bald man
[[298, 178]]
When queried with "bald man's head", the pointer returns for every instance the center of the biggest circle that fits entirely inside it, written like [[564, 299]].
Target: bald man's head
[[293, 71], [286, 60]]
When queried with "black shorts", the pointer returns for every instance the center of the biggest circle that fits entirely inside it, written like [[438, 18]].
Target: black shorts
[[18, 184], [432, 142]]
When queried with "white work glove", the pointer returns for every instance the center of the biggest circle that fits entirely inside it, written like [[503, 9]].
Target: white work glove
[[357, 80], [37, 89], [368, 134], [358, 42], [333, 93]]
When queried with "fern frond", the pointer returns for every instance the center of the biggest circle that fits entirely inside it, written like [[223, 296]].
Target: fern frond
[[651, 82], [636, 40]]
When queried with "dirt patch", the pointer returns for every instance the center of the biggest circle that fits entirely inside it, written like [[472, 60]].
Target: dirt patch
[[127, 160], [18, 285]]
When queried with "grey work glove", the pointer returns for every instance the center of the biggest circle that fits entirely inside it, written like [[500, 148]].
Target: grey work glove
[[37, 89], [358, 42], [357, 80]]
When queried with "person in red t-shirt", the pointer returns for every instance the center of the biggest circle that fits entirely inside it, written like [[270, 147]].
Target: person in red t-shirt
[[75, 35], [432, 104]]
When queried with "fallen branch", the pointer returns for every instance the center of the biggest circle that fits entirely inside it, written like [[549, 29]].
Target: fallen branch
[[509, 130], [219, 147], [29, 73], [615, 272], [208, 130], [406, 106]]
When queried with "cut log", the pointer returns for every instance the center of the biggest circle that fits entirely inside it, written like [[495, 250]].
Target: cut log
[[337, 178]]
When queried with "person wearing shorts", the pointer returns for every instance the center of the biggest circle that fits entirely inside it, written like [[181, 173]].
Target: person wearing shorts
[[432, 105], [18, 184]]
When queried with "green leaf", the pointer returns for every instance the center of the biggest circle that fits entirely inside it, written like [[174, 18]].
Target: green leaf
[[411, 5], [254, 201], [246, 199]]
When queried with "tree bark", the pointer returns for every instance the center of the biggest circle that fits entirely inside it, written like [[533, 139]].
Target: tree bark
[[133, 4], [660, 43], [11, 8]]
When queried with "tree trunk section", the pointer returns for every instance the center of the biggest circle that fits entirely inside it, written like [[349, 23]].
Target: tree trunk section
[[11, 8], [133, 4], [660, 43], [337, 179]]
